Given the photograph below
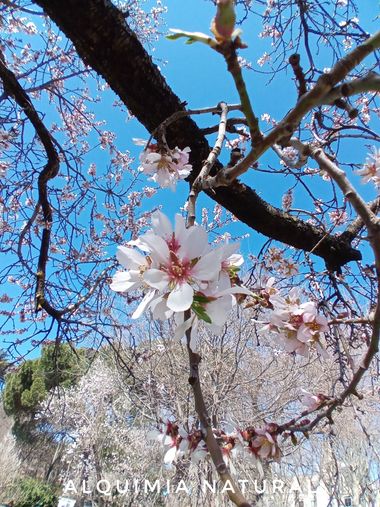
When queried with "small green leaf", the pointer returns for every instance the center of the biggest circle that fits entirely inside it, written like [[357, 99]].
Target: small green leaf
[[200, 313]]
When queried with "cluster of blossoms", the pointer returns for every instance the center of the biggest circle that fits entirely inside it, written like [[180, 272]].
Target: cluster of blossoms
[[263, 59], [275, 260], [179, 271], [297, 326], [371, 168], [338, 217], [255, 444], [164, 166]]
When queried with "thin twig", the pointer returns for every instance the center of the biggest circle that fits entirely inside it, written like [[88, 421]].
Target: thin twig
[[207, 166], [285, 128]]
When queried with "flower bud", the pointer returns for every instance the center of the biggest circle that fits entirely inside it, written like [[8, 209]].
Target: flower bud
[[223, 24]]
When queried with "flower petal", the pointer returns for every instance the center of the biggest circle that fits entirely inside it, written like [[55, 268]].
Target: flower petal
[[130, 258], [182, 328], [194, 244], [122, 281], [156, 278], [158, 248], [208, 267], [170, 456], [180, 298], [144, 304], [161, 225]]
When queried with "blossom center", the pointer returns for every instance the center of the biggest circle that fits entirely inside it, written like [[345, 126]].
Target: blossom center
[[173, 244], [314, 326], [178, 270], [296, 321]]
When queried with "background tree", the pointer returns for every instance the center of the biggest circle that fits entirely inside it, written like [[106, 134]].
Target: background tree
[[115, 430], [9, 459], [3, 365]]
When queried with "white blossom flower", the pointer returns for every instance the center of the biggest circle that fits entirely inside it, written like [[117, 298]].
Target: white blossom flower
[[265, 445], [178, 271], [297, 326]]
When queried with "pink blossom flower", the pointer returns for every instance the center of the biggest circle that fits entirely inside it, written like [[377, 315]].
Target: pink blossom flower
[[298, 326], [312, 401], [166, 167], [338, 217], [265, 445], [167, 436], [371, 168], [263, 59], [313, 324]]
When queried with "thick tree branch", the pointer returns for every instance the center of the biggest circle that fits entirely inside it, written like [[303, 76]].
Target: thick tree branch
[[286, 127], [106, 43], [369, 83]]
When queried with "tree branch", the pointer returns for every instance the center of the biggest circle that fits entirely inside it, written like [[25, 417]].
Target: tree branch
[[372, 223], [50, 170], [233, 489]]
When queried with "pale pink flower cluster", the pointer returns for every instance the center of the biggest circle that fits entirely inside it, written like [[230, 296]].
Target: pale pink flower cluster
[[287, 200], [264, 444], [275, 260], [263, 59], [254, 444], [177, 443], [4, 166], [270, 31], [178, 271], [266, 117], [239, 142], [338, 217], [244, 64], [297, 326], [371, 168], [165, 167]]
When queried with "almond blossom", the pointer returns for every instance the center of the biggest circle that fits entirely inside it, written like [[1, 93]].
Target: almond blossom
[[257, 445], [297, 326], [165, 166], [265, 444], [177, 442], [261, 444], [178, 271], [371, 168]]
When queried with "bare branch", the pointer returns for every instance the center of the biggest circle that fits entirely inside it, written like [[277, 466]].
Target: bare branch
[[49, 171]]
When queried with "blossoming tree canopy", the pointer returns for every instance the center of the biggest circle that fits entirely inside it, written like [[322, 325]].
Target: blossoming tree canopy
[[74, 189]]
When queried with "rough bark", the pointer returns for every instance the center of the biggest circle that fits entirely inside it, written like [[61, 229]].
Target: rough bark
[[106, 43]]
